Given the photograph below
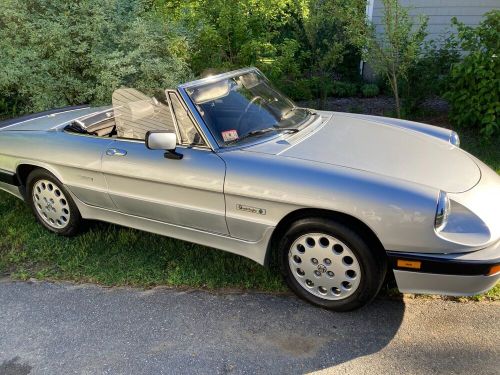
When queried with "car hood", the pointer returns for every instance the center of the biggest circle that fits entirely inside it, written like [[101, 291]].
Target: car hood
[[387, 148]]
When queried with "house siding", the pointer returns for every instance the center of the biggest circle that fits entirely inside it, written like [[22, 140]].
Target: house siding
[[440, 13]]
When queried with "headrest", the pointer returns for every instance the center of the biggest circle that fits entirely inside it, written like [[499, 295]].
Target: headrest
[[141, 109]]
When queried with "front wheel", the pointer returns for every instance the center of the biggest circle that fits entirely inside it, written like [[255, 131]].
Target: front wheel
[[331, 265], [52, 204]]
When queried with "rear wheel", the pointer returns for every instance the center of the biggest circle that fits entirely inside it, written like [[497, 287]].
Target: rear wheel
[[52, 204], [330, 264]]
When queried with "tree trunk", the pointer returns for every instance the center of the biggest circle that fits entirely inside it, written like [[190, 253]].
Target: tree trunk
[[395, 89], [396, 97]]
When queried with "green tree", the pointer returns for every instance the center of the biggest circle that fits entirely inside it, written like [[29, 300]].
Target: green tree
[[332, 35], [392, 52], [55, 53], [474, 83], [228, 34], [302, 45]]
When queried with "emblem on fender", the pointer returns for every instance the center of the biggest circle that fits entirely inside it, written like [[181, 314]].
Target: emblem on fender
[[252, 210]]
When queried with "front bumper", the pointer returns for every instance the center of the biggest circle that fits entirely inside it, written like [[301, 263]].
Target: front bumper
[[448, 274]]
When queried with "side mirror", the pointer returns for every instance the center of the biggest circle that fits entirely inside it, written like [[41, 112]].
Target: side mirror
[[163, 140]]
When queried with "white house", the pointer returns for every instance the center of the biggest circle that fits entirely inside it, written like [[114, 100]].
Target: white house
[[440, 13]]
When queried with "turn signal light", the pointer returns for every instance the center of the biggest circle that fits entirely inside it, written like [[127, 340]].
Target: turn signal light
[[415, 264], [494, 270]]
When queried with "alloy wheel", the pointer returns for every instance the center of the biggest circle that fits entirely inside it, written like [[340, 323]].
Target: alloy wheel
[[324, 266], [51, 204]]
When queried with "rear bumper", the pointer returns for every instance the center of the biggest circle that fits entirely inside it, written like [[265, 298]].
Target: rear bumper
[[448, 274]]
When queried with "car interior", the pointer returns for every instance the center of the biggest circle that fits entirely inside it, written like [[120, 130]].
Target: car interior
[[133, 114]]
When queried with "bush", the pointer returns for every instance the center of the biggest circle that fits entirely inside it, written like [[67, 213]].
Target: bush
[[393, 52], [428, 75], [296, 90], [344, 89], [474, 83], [288, 40], [370, 90], [56, 53]]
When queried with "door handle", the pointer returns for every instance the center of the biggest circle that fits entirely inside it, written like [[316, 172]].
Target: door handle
[[115, 152]]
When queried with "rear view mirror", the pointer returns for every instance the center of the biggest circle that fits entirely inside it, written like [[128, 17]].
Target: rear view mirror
[[163, 140]]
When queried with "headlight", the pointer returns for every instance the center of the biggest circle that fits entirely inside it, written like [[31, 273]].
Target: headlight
[[442, 211], [454, 139]]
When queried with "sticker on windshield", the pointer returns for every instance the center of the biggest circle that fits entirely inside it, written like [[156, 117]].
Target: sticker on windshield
[[229, 135]]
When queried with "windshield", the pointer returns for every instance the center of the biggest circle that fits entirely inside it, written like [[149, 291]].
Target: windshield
[[239, 108]]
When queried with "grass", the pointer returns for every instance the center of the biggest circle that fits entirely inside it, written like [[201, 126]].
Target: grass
[[111, 255]]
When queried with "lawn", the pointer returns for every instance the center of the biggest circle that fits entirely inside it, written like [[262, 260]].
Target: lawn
[[111, 255]]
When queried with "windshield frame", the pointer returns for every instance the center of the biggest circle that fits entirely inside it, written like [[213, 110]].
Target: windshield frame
[[182, 89]]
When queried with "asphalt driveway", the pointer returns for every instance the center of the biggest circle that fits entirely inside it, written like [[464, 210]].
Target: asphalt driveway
[[60, 328]]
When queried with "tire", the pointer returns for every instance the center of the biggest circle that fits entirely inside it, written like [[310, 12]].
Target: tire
[[52, 204], [331, 265]]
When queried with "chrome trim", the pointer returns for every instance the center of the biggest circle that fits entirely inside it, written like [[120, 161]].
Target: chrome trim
[[116, 152], [190, 115], [211, 142], [174, 119], [218, 77], [454, 139], [442, 211]]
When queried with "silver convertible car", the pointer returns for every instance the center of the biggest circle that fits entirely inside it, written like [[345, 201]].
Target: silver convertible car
[[342, 200]]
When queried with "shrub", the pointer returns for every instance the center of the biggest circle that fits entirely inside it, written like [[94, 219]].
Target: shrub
[[474, 83], [288, 40], [370, 90], [394, 51], [427, 76], [296, 90], [56, 53], [344, 89]]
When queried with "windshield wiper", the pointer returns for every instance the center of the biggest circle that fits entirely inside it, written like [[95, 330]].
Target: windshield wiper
[[263, 131]]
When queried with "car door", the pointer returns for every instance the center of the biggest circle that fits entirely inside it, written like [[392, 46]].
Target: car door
[[186, 192]]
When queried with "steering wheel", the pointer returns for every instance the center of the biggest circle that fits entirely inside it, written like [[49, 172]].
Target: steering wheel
[[252, 101]]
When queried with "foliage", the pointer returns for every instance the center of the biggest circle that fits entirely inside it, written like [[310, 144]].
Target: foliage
[[474, 84], [233, 34], [291, 41], [370, 90], [344, 89], [299, 89], [62, 52], [427, 76], [393, 52]]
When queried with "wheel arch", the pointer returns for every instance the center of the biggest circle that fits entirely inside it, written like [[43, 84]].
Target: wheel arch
[[24, 169], [303, 213]]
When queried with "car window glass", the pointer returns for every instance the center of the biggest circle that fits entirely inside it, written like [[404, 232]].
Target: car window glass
[[189, 134], [246, 103], [136, 114]]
